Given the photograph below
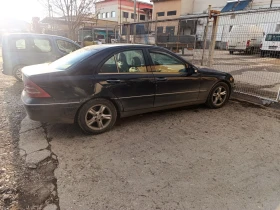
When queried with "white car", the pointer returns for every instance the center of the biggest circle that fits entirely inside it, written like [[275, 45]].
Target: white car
[[270, 44]]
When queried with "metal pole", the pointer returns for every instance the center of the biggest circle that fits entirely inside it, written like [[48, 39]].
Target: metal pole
[[213, 41], [134, 26], [205, 36], [156, 32], [49, 8]]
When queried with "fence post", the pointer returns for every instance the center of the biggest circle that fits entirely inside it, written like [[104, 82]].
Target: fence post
[[156, 32], [213, 39], [127, 33], [205, 35]]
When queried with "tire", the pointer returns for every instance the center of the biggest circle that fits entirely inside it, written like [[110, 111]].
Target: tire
[[17, 72], [97, 116], [262, 53], [231, 52], [215, 98]]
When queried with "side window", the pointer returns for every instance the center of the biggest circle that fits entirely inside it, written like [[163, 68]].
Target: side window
[[125, 62], [41, 45], [109, 66], [65, 46], [131, 61], [166, 63], [20, 44]]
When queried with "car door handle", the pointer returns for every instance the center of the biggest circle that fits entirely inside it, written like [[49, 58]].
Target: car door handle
[[161, 79], [113, 81]]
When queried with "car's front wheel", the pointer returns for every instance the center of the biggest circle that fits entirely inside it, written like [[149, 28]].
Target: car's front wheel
[[218, 96], [97, 116]]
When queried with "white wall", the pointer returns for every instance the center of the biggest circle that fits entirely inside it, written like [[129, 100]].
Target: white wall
[[202, 5], [265, 4]]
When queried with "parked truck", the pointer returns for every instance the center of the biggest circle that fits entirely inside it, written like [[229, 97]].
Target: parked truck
[[245, 38]]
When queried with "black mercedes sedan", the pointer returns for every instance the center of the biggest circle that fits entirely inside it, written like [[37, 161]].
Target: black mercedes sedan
[[98, 84]]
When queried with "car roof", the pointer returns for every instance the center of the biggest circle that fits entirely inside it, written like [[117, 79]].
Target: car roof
[[117, 46], [33, 34]]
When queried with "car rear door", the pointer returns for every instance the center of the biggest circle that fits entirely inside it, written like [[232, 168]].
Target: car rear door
[[176, 81], [126, 75]]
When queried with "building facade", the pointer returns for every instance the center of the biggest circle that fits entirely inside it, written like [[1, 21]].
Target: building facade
[[122, 11]]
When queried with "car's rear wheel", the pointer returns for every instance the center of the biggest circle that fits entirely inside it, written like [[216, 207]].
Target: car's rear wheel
[[218, 96], [97, 116], [262, 53], [231, 52], [17, 72]]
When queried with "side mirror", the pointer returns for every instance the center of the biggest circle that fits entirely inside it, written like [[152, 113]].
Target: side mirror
[[190, 70]]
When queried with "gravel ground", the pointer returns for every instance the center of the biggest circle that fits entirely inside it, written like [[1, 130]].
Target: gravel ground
[[12, 113], [20, 187], [188, 158]]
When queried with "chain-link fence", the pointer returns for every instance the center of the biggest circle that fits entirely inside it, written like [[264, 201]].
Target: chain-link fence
[[245, 44]]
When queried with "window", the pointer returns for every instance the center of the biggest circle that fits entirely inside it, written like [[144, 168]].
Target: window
[[72, 59], [142, 17], [99, 16], [160, 30], [113, 14], [160, 14], [132, 16], [104, 15], [109, 66], [41, 45], [170, 13], [65, 46], [125, 14], [166, 63], [170, 30], [131, 61], [277, 28], [273, 37], [107, 14], [20, 44]]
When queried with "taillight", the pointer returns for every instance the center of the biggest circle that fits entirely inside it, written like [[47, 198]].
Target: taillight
[[261, 46], [248, 43], [33, 90]]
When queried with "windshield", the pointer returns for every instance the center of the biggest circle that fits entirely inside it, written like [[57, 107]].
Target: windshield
[[273, 37], [73, 58]]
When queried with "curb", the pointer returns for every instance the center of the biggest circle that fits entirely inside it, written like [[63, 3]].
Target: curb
[[255, 100]]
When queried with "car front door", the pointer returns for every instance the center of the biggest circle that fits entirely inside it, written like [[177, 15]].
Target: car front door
[[176, 81], [64, 47], [41, 49], [126, 75]]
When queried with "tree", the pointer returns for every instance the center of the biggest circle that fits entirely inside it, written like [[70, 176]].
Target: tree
[[72, 11]]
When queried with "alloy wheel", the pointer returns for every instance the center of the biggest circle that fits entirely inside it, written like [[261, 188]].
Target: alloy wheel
[[219, 96], [98, 117]]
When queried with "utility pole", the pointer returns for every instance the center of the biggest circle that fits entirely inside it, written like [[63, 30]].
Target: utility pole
[[49, 8]]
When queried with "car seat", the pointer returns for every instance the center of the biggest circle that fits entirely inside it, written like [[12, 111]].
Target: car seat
[[122, 62]]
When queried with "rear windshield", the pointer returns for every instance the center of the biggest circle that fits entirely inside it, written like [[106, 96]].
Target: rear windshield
[[273, 37], [72, 59]]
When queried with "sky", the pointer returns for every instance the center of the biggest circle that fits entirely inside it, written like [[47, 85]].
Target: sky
[[24, 9], [21, 9]]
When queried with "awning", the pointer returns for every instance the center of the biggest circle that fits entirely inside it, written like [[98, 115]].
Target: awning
[[236, 6]]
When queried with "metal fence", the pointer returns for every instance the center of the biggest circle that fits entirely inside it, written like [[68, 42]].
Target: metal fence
[[245, 44]]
